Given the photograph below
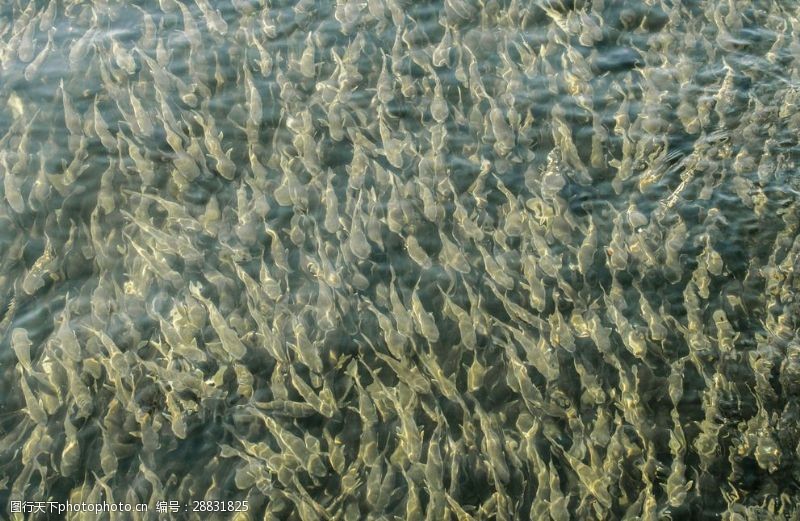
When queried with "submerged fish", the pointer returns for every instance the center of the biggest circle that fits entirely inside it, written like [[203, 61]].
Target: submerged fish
[[389, 259]]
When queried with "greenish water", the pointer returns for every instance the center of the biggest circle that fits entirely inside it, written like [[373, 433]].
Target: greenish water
[[400, 260]]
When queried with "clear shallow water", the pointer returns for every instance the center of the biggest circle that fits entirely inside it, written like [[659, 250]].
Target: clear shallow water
[[423, 260]]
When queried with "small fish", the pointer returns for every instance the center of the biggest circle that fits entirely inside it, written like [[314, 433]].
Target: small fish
[[21, 345], [230, 340]]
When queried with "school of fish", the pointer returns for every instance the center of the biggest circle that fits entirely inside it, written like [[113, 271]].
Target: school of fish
[[385, 259]]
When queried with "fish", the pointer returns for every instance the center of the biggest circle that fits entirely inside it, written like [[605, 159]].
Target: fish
[[21, 344], [230, 340], [389, 254]]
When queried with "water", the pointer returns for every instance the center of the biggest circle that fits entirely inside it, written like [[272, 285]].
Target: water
[[468, 260]]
